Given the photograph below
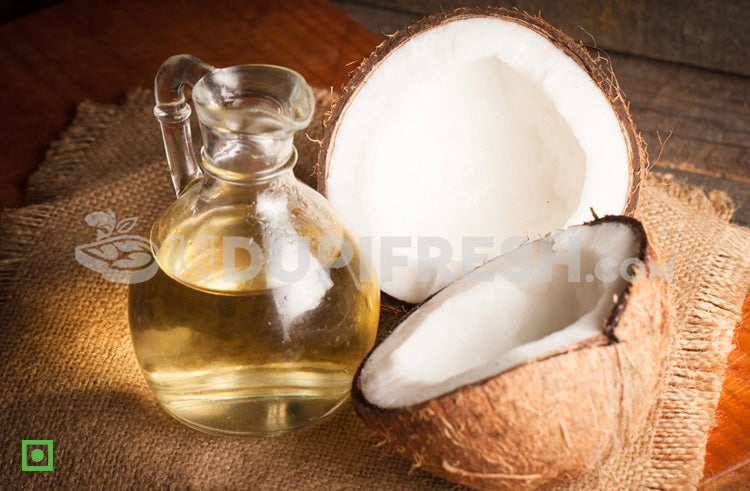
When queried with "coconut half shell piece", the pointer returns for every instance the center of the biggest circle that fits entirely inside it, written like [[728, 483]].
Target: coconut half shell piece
[[476, 123], [518, 376]]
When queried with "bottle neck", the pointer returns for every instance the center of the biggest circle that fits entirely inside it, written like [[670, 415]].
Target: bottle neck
[[245, 158]]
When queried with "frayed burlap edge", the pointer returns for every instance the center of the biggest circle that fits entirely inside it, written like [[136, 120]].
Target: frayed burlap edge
[[708, 315], [18, 229], [63, 171], [713, 201], [60, 174]]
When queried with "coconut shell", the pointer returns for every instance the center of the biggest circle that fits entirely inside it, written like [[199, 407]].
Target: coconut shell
[[550, 419], [599, 70]]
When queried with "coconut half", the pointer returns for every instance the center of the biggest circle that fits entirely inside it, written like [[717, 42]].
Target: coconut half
[[475, 123], [532, 368]]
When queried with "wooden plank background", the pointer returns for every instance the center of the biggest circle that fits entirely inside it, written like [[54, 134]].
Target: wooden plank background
[[706, 33]]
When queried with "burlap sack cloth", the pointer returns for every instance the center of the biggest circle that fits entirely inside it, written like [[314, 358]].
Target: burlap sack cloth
[[70, 375]]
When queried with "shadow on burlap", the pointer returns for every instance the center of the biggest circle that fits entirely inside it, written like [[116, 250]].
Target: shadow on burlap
[[70, 375]]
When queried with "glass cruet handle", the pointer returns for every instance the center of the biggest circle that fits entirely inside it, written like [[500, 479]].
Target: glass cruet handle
[[173, 113]]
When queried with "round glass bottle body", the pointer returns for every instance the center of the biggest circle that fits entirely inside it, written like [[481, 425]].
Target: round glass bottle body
[[261, 310], [262, 307]]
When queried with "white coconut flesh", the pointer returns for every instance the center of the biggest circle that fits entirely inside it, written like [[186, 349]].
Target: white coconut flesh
[[477, 128], [514, 308]]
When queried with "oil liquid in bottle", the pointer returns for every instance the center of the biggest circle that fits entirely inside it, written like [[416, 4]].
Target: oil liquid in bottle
[[249, 358]]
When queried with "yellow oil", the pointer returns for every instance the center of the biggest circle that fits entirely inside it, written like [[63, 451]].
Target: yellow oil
[[253, 357]]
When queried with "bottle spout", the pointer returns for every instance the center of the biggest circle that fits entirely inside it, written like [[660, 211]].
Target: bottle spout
[[173, 113], [248, 117]]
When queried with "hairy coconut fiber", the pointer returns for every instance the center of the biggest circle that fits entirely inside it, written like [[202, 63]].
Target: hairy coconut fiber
[[550, 419], [70, 375]]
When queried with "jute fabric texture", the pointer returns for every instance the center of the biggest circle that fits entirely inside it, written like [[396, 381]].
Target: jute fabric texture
[[70, 375]]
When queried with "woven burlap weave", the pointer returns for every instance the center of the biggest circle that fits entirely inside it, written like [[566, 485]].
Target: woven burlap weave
[[70, 375]]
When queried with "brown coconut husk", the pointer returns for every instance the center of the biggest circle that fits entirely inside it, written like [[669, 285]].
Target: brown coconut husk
[[550, 419]]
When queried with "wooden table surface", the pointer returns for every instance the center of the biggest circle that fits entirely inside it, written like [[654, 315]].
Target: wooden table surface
[[83, 49]]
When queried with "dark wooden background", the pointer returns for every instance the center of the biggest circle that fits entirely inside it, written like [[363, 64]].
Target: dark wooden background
[[711, 34], [683, 64]]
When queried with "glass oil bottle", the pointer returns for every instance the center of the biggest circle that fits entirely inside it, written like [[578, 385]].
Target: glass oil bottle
[[262, 307]]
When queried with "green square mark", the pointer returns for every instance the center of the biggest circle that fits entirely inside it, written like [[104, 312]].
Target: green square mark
[[29, 460]]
